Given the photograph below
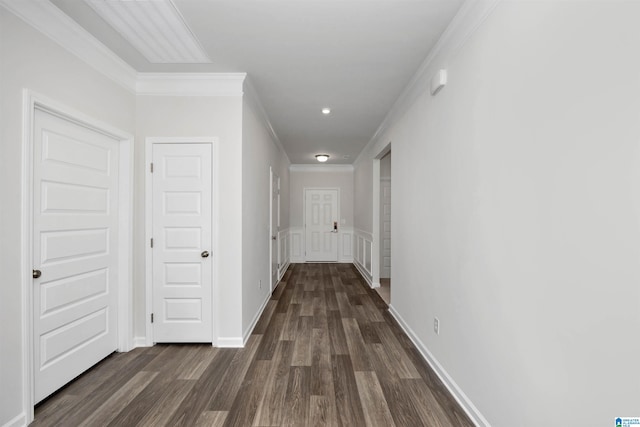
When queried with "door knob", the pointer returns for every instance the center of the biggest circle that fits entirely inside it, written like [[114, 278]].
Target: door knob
[[37, 273], [273, 237], [204, 254]]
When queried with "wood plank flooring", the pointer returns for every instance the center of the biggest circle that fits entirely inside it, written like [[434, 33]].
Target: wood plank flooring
[[325, 352]]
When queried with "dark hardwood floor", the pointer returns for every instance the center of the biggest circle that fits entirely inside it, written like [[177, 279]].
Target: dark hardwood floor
[[325, 352]]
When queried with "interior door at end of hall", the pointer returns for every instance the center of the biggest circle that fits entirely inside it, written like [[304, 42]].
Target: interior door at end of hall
[[275, 224], [321, 225], [182, 242], [75, 250]]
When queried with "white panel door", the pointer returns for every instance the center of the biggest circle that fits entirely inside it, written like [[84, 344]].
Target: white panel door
[[275, 224], [385, 215], [321, 225], [75, 231], [182, 262]]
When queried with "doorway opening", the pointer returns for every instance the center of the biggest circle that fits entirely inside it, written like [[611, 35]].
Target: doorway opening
[[381, 247], [275, 227], [385, 228]]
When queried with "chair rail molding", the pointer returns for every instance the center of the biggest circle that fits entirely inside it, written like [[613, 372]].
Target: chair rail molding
[[297, 245]]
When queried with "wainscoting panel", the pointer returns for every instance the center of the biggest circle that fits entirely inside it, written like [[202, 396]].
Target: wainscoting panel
[[345, 246], [284, 257], [296, 235], [363, 249], [297, 245]]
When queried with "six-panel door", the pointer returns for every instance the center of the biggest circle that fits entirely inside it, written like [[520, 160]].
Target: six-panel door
[[321, 222]]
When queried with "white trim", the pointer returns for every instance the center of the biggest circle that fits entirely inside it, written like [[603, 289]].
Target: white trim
[[320, 168], [469, 18], [273, 232], [190, 84], [363, 233], [362, 241], [365, 275], [284, 252], [251, 96], [57, 26], [254, 321], [18, 421], [31, 102], [376, 242], [230, 342], [457, 393], [296, 244], [345, 244], [148, 232], [140, 342]]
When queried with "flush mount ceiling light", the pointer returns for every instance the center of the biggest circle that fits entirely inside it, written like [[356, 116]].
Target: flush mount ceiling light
[[154, 27], [322, 157], [326, 111]]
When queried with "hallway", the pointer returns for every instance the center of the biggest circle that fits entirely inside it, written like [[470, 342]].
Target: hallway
[[325, 352]]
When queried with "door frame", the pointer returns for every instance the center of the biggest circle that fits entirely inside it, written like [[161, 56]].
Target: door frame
[[304, 220], [32, 101], [272, 286], [375, 232], [148, 231]]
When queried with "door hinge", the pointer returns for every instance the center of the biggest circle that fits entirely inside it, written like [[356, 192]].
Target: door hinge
[[151, 167], [151, 317], [152, 242]]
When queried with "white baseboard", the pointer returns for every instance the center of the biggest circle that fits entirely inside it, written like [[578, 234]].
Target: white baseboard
[[19, 421], [283, 269], [141, 342], [229, 342], [457, 393], [254, 321], [364, 274]]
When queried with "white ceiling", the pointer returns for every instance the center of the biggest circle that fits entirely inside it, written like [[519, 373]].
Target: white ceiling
[[354, 56]]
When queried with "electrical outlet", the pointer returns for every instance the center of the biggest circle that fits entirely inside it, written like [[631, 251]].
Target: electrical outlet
[[436, 325]]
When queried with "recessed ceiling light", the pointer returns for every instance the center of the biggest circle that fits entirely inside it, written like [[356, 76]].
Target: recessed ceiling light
[[326, 111], [322, 157]]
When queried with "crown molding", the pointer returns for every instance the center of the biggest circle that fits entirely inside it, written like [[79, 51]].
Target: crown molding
[[57, 26], [464, 24], [320, 168], [45, 17], [252, 97], [190, 84]]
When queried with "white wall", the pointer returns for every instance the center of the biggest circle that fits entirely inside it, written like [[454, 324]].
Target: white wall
[[516, 194], [385, 166], [30, 60], [321, 177], [259, 153], [363, 191], [202, 116]]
